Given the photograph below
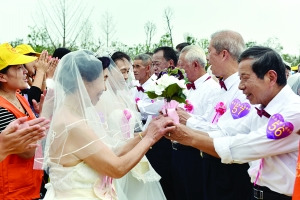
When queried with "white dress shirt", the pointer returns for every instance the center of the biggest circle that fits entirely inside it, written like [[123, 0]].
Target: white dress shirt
[[146, 105], [202, 96], [204, 122], [280, 156]]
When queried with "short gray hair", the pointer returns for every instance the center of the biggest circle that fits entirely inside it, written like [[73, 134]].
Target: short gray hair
[[228, 40], [195, 53], [145, 58]]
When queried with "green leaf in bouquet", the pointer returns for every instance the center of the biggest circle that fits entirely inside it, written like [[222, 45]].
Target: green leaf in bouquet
[[181, 95], [172, 89], [151, 94]]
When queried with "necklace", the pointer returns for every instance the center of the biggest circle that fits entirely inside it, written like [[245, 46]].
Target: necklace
[[16, 103]]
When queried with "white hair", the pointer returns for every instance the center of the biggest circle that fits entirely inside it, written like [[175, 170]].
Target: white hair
[[195, 53]]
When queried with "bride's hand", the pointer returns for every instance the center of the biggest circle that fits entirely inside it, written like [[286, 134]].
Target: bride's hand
[[158, 127]]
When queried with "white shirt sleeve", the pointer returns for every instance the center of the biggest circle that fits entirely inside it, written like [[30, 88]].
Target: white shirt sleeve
[[243, 148]]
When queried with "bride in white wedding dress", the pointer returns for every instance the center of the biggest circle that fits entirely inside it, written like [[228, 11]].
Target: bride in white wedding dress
[[86, 158]]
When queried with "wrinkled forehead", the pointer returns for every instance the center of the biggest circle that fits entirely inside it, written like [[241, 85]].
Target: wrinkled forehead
[[139, 62]]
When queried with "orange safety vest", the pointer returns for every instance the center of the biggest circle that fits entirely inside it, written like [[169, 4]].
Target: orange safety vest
[[296, 195], [18, 179]]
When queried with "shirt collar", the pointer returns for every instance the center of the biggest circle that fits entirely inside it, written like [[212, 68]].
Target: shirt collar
[[231, 80], [152, 78], [201, 80]]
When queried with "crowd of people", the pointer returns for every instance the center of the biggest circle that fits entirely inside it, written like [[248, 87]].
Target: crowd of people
[[80, 125]]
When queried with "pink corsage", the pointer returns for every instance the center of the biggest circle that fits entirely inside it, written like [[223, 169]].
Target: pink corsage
[[188, 106], [220, 109], [137, 100]]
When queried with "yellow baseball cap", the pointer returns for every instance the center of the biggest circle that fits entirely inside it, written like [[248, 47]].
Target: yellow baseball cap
[[26, 49], [9, 56]]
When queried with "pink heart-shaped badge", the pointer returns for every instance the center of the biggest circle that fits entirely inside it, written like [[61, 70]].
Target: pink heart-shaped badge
[[238, 109], [277, 128]]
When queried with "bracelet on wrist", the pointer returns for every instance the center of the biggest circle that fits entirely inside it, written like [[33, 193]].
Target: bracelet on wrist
[[140, 134]]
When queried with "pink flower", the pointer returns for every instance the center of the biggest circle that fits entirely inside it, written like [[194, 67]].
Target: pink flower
[[220, 108], [152, 101], [137, 99], [188, 106]]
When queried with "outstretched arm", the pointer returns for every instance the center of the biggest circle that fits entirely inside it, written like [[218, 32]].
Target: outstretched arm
[[195, 138], [106, 162]]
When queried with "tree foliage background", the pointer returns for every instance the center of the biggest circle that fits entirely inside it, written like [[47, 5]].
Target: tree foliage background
[[67, 24]]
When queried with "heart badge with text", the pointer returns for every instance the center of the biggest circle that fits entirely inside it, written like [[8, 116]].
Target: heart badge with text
[[278, 128], [238, 109]]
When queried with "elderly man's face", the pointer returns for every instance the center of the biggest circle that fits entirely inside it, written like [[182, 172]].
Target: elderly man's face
[[187, 66], [215, 60], [140, 70], [256, 90]]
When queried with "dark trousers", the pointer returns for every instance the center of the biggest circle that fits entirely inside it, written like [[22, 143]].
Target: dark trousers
[[187, 173], [264, 193], [160, 157], [225, 181]]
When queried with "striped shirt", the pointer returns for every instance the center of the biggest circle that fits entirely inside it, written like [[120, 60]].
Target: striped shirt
[[5, 118]]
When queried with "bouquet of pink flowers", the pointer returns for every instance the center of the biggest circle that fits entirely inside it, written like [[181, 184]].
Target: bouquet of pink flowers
[[170, 85]]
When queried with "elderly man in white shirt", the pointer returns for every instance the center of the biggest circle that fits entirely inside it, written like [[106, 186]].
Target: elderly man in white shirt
[[220, 181], [186, 160], [271, 146], [142, 72]]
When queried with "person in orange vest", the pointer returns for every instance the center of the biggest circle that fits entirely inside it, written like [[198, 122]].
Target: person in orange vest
[[18, 179]]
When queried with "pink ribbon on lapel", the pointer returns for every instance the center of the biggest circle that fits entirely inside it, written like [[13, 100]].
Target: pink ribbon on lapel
[[220, 109], [137, 99]]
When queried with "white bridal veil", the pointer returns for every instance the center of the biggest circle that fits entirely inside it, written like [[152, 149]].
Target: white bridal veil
[[79, 84]]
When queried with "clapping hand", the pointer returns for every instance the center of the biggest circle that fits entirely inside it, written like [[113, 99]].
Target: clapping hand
[[52, 67], [21, 135], [38, 106], [42, 64]]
